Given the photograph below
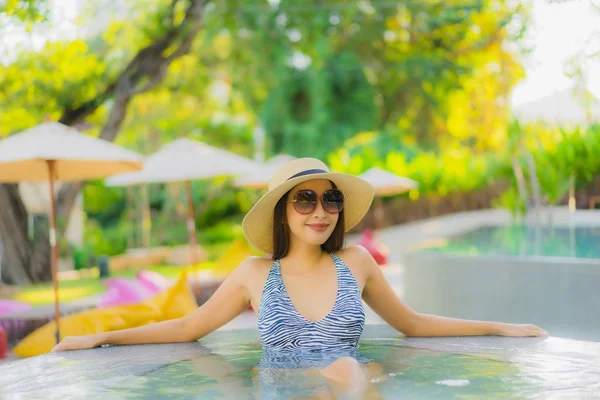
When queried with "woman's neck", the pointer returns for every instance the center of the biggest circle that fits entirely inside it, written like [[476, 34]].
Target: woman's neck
[[304, 254]]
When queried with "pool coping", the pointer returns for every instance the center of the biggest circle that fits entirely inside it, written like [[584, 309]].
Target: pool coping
[[55, 370], [521, 258]]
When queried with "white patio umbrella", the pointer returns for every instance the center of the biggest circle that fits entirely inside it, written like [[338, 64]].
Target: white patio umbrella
[[386, 184], [261, 176], [55, 152], [185, 160]]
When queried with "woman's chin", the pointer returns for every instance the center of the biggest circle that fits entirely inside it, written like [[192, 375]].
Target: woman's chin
[[317, 238]]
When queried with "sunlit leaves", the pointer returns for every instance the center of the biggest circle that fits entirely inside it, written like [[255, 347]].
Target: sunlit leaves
[[447, 70], [560, 155], [28, 11], [61, 75], [438, 173]]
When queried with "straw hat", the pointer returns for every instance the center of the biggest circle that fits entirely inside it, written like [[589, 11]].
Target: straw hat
[[258, 223]]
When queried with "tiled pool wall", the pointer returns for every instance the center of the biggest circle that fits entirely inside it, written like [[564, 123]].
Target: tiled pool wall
[[559, 294]]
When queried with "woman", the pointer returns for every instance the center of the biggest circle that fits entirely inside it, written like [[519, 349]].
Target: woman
[[309, 294]]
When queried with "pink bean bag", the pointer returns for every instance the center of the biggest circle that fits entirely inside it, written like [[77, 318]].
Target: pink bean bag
[[12, 306], [123, 291]]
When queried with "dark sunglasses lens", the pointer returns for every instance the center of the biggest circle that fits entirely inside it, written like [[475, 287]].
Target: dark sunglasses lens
[[333, 201], [305, 201]]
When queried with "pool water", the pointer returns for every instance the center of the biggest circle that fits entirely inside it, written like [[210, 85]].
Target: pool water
[[224, 365], [521, 240]]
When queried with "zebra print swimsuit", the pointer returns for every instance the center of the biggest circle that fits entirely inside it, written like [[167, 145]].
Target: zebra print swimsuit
[[282, 327]]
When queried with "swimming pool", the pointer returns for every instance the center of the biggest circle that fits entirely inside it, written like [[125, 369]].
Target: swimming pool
[[548, 276], [223, 365], [525, 240]]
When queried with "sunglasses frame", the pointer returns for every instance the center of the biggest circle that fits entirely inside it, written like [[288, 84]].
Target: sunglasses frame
[[314, 202]]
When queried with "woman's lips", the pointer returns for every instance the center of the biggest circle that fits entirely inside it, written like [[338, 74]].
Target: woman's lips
[[318, 227]]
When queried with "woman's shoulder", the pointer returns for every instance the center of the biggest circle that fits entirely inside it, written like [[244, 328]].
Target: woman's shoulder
[[252, 272], [354, 253], [357, 258], [254, 265]]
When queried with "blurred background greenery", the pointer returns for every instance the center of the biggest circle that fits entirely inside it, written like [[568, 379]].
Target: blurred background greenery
[[419, 88]]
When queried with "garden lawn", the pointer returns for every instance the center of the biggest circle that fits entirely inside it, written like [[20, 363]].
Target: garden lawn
[[73, 289]]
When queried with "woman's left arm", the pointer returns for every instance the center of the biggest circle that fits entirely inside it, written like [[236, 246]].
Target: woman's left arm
[[435, 325], [380, 296]]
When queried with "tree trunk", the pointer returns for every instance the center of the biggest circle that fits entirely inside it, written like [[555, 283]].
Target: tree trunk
[[25, 261], [18, 249]]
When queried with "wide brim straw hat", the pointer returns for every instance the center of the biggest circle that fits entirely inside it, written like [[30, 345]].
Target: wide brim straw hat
[[258, 223]]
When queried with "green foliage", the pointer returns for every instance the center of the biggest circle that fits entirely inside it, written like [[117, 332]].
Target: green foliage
[[81, 258], [222, 232], [106, 240], [373, 148], [102, 203], [420, 89], [576, 153], [511, 201], [559, 154], [219, 210], [165, 115], [28, 11], [229, 203], [434, 69], [39, 84], [312, 111], [453, 170]]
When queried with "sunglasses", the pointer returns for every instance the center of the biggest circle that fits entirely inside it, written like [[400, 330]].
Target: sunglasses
[[305, 201]]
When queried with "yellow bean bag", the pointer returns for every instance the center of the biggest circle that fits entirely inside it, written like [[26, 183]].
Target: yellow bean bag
[[175, 302], [239, 250]]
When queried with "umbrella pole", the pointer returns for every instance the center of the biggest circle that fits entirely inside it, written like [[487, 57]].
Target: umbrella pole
[[54, 248], [191, 230], [191, 223], [146, 219], [131, 220]]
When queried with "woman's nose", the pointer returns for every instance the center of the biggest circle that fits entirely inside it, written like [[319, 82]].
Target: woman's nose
[[319, 210]]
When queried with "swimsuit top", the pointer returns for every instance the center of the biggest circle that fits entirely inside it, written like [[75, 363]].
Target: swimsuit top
[[282, 327]]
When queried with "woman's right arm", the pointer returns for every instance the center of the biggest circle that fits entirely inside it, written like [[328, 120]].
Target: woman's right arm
[[230, 300]]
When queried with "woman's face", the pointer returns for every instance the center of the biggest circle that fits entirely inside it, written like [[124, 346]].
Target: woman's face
[[316, 226]]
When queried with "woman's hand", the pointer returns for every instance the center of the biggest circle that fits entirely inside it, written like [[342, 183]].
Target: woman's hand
[[78, 342], [504, 329]]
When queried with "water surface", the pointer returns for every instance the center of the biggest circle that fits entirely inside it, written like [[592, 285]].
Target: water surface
[[521, 240], [225, 365]]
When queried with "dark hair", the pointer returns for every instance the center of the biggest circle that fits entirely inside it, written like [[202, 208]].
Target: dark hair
[[281, 231]]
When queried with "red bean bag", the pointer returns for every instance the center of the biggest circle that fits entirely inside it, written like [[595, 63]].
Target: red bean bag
[[378, 250]]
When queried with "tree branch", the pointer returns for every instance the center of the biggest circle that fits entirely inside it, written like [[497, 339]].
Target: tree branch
[[151, 84], [147, 62], [482, 45], [76, 116], [171, 15], [144, 72]]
